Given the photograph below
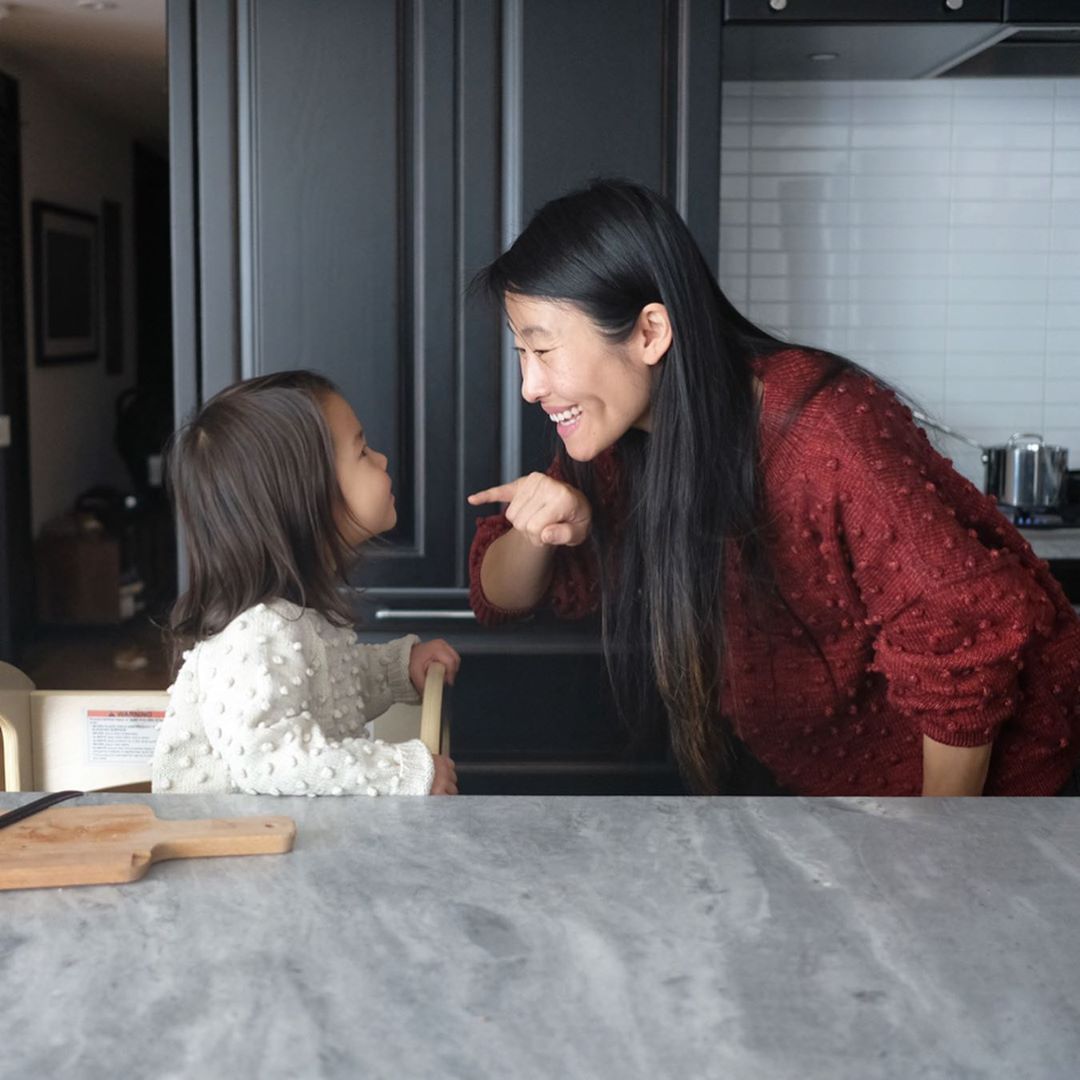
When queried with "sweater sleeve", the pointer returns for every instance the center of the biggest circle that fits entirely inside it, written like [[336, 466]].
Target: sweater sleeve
[[261, 684], [952, 607], [382, 672], [574, 591]]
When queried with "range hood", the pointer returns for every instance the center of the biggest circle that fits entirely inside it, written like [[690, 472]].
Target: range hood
[[805, 50], [1032, 53]]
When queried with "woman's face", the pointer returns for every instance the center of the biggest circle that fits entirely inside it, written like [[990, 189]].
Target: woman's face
[[361, 474], [592, 390]]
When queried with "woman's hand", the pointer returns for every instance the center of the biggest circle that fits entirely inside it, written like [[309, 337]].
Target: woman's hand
[[546, 511], [445, 782], [426, 653]]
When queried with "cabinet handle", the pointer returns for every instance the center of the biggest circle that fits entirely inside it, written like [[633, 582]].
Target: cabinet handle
[[399, 614]]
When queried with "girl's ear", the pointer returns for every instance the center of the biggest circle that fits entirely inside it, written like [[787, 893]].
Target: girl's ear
[[653, 333]]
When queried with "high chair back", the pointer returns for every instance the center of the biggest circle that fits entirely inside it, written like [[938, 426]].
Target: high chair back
[[103, 740]]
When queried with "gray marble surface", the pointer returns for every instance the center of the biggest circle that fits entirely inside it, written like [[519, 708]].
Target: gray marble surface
[[573, 937], [1053, 543]]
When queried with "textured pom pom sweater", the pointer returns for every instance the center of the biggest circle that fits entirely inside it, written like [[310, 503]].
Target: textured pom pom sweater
[[910, 606], [276, 704]]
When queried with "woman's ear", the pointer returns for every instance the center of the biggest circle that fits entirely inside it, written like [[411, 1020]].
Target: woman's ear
[[653, 333]]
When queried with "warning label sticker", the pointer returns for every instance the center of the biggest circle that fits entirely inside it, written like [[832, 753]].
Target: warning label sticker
[[119, 736]]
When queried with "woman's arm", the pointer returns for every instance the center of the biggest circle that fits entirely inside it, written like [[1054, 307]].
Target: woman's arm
[[954, 770], [515, 574], [543, 514]]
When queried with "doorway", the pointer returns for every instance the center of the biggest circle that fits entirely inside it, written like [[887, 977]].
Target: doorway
[[87, 549]]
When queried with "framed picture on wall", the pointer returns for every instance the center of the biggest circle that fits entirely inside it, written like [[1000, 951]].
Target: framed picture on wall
[[66, 287]]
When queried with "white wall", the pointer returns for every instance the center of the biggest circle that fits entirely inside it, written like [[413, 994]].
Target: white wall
[[76, 159], [930, 230]]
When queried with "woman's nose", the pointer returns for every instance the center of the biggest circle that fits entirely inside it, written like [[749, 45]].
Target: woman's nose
[[532, 382]]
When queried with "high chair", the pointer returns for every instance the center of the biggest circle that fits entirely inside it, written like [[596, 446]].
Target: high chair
[[103, 740]]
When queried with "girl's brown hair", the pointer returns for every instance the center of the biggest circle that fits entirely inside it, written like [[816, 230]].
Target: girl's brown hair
[[254, 483]]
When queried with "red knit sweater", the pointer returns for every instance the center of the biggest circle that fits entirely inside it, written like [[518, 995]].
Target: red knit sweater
[[929, 612]]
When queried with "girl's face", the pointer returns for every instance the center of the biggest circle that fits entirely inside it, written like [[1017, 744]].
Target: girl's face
[[592, 390], [361, 472]]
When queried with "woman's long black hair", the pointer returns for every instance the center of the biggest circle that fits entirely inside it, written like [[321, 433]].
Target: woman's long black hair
[[691, 493]]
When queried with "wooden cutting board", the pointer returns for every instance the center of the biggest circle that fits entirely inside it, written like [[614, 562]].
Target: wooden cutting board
[[98, 845]]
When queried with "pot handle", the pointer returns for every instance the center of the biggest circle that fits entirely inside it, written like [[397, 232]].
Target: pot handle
[[1033, 440]]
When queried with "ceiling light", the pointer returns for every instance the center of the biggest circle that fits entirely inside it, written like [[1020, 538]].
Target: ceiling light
[[96, 5], [823, 57]]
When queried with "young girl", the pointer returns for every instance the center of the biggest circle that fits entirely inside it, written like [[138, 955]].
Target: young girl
[[276, 488]]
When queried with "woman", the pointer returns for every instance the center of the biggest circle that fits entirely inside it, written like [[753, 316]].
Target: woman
[[781, 558]]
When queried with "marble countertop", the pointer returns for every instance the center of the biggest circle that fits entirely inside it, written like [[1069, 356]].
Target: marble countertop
[[1053, 543], [546, 937]]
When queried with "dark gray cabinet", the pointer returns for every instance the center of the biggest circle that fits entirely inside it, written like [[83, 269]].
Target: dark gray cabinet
[[340, 171], [352, 164]]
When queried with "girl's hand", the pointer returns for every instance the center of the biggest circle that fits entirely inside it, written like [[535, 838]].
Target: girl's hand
[[426, 653], [547, 511], [445, 782]]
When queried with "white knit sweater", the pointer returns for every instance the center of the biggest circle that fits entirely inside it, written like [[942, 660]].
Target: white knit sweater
[[276, 704]]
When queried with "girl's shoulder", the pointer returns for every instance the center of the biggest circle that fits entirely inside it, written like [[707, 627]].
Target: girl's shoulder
[[270, 623]]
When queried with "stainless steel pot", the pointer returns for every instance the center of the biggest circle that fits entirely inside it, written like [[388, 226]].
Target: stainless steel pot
[[1026, 472]]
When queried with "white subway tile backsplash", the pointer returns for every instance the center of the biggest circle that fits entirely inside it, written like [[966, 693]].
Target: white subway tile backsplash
[[993, 391], [798, 263], [816, 315], [1064, 291], [733, 186], [886, 290], [1065, 212], [799, 136], [1065, 365], [793, 212], [1004, 108], [798, 238], [1002, 137], [898, 314], [1062, 414], [997, 339], [1066, 136], [885, 136], [1064, 341], [1003, 420], [832, 290], [897, 162], [1008, 162], [999, 238], [894, 188], [928, 229], [987, 212], [977, 264], [1065, 239], [1003, 187], [988, 313], [827, 188], [804, 110], [901, 110], [901, 238], [799, 161], [982, 365], [899, 264]]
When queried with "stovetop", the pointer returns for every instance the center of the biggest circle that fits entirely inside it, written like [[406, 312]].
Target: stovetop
[[1065, 517]]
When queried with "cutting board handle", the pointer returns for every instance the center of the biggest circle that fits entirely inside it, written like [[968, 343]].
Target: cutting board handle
[[222, 836]]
